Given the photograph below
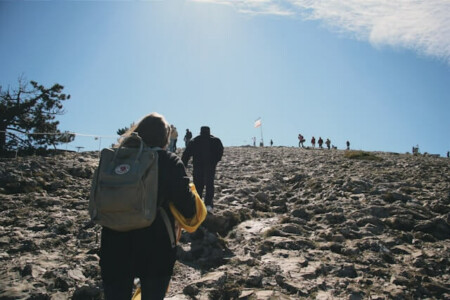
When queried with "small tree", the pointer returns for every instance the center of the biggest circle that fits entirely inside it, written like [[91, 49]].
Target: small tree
[[122, 131], [27, 116]]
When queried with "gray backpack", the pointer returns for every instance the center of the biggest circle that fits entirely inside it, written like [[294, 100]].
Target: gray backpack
[[124, 191]]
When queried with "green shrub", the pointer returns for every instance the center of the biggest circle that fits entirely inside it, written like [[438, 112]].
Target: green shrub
[[361, 155]]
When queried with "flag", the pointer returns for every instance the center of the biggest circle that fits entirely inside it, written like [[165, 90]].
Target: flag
[[258, 123]]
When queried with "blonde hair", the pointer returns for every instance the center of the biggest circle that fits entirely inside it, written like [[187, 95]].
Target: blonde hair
[[153, 129]]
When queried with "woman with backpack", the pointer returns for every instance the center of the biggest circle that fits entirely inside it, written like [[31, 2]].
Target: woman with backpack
[[148, 253]]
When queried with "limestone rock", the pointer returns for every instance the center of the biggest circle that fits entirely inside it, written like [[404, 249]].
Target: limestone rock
[[288, 223]]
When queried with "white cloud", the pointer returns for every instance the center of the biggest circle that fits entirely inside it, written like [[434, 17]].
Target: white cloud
[[254, 7], [420, 25]]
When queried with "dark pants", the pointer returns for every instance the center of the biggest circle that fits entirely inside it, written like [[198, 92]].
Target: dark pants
[[204, 177], [151, 288]]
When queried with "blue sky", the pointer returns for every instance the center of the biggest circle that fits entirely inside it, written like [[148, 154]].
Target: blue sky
[[376, 73]]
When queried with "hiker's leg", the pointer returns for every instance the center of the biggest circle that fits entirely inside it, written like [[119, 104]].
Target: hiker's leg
[[199, 181], [115, 264], [209, 182], [154, 288], [118, 289]]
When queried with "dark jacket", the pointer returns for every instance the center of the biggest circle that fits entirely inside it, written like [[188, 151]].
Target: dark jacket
[[188, 136], [147, 251], [206, 150]]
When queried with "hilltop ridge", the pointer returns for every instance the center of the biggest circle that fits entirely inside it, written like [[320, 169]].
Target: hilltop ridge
[[289, 223]]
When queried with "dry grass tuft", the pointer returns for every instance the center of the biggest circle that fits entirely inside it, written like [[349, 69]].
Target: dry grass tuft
[[361, 155]]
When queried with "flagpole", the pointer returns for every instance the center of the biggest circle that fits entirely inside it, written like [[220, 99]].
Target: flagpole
[[258, 123], [262, 139]]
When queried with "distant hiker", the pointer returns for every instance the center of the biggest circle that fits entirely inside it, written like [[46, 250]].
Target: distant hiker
[[254, 141], [206, 151], [271, 143], [448, 154], [313, 142], [187, 137], [328, 142], [348, 145], [148, 253], [301, 140], [173, 139], [320, 142]]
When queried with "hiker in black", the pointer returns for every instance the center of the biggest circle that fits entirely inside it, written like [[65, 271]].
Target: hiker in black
[[320, 142], [207, 151], [147, 253], [187, 137]]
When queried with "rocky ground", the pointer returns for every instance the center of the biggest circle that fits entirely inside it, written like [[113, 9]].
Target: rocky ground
[[289, 223]]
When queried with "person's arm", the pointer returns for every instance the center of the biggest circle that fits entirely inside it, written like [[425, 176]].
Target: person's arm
[[219, 150], [181, 195], [187, 154]]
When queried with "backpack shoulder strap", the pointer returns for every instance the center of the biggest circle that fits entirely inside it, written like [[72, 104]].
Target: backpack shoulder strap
[[164, 215]]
